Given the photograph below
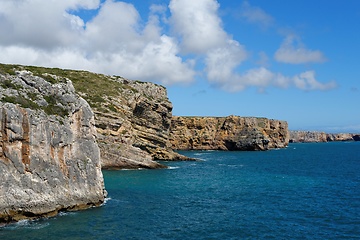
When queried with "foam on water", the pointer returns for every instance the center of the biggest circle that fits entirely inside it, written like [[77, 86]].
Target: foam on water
[[28, 224], [172, 168], [106, 200]]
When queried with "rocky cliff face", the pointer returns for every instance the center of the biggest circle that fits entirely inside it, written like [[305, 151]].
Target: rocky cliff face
[[307, 136], [228, 133], [330, 137], [137, 132], [313, 136], [132, 117], [49, 159]]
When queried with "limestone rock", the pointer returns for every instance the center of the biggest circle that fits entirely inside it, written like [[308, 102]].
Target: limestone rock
[[340, 137], [307, 136], [137, 133], [132, 117], [228, 133], [313, 136], [49, 159]]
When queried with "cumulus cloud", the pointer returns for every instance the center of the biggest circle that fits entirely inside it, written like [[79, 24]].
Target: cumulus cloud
[[198, 25], [116, 40], [256, 15], [200, 29], [222, 61], [261, 78], [256, 77], [306, 81], [294, 52], [25, 23]]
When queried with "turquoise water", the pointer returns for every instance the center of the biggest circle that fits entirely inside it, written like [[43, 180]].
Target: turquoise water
[[307, 191]]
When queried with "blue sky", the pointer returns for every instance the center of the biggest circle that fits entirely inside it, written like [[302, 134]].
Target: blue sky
[[289, 60]]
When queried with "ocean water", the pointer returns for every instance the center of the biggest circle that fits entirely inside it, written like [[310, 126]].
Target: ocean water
[[306, 191]]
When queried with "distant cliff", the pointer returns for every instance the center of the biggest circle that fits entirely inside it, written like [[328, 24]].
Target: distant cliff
[[227, 133], [49, 159], [313, 136]]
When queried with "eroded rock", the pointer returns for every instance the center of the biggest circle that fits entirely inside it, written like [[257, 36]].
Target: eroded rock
[[228, 133], [314, 136], [49, 159]]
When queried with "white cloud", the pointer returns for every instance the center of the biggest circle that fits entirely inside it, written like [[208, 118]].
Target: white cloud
[[156, 61], [262, 78], [256, 15], [306, 81], [200, 29], [198, 25], [222, 61], [292, 51], [115, 28], [256, 77], [263, 59], [118, 41], [115, 41]]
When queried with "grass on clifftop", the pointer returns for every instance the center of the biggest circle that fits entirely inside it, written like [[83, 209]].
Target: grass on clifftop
[[93, 87]]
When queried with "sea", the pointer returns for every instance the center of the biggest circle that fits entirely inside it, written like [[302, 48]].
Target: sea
[[304, 191]]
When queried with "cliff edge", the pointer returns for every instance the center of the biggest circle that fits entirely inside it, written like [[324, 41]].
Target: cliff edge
[[49, 159], [228, 133], [132, 118]]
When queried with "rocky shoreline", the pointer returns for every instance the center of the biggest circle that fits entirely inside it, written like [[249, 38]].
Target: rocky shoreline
[[59, 128]]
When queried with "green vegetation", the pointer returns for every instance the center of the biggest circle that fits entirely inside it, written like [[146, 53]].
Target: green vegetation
[[97, 89], [52, 108], [7, 69], [9, 84], [49, 78], [112, 108], [33, 96], [21, 100]]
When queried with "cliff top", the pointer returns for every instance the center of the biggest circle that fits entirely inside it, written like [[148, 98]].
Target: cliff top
[[97, 89]]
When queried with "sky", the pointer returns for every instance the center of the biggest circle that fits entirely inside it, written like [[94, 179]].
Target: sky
[[296, 61]]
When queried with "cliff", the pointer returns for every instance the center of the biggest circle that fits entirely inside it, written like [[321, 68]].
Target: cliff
[[135, 131], [227, 133], [342, 137], [307, 136], [132, 118], [49, 159], [313, 136]]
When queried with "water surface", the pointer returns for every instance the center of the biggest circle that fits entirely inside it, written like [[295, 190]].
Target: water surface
[[306, 191]]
